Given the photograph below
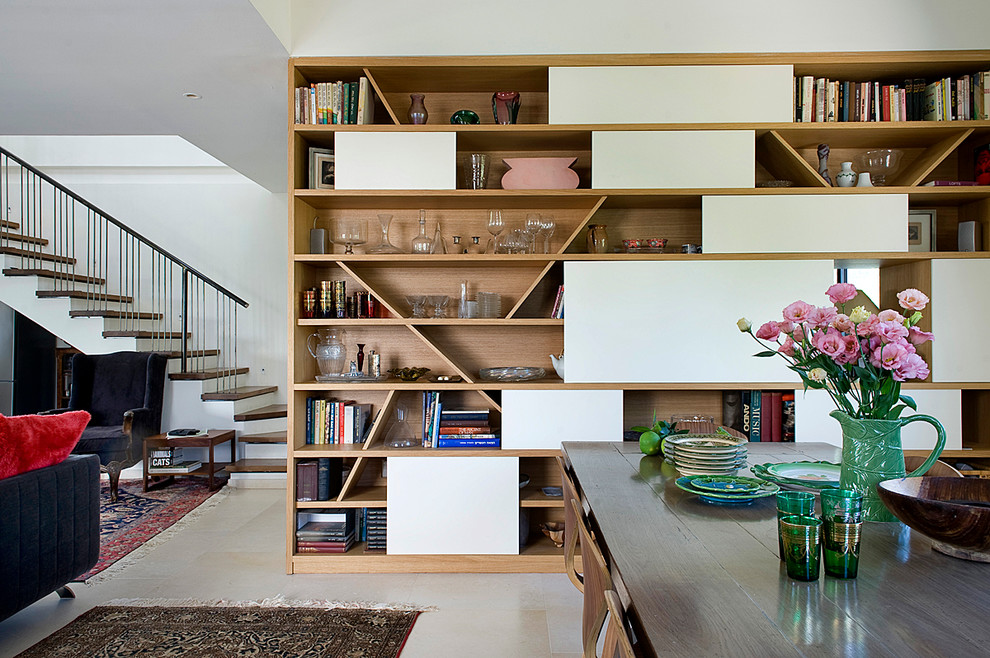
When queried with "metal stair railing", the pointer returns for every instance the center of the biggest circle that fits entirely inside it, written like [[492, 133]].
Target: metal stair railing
[[114, 272]]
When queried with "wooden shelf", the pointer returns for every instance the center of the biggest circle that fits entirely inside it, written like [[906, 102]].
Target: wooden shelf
[[356, 450]]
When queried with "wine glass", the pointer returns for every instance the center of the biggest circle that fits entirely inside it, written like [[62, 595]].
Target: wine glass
[[350, 232], [548, 227], [495, 226], [532, 227], [439, 304]]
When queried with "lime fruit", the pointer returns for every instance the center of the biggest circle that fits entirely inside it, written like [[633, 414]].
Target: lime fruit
[[649, 442]]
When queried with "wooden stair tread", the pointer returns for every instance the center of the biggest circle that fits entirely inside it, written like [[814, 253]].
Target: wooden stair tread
[[136, 333], [207, 373], [262, 413], [106, 313], [9, 224], [83, 294], [38, 255], [19, 237], [240, 393], [190, 354], [256, 466], [264, 437], [50, 274]]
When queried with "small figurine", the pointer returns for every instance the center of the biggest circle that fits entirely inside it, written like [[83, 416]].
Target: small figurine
[[823, 163]]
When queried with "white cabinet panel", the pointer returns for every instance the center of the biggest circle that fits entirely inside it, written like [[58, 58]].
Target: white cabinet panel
[[813, 423], [673, 159], [542, 419], [676, 321], [453, 505], [960, 313], [671, 94], [804, 223], [395, 161]]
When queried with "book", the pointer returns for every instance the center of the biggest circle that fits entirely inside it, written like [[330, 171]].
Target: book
[[164, 457], [329, 477], [176, 469], [772, 415], [366, 102], [446, 421], [470, 436], [558, 303], [949, 183], [746, 411], [325, 530], [315, 549], [346, 540], [732, 410], [307, 486], [476, 429], [457, 442], [325, 516], [787, 425], [755, 416]]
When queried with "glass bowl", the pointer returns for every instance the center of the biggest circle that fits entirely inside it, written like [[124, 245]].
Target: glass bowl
[[881, 163], [512, 373]]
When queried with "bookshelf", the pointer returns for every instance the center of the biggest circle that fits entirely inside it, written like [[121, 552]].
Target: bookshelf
[[525, 334]]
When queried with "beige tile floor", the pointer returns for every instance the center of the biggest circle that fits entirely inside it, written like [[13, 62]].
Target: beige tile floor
[[236, 551]]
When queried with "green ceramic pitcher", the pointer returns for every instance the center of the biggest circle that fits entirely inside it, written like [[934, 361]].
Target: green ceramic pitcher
[[871, 453]]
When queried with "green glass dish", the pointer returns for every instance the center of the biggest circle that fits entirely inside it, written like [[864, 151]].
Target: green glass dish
[[808, 474], [465, 117], [727, 485]]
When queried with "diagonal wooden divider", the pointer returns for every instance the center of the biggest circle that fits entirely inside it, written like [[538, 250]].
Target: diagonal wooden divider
[[933, 156], [377, 429], [381, 96], [781, 160], [381, 300]]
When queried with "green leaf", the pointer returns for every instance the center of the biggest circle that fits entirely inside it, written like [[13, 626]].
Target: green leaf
[[895, 413], [909, 401], [766, 353], [639, 428]]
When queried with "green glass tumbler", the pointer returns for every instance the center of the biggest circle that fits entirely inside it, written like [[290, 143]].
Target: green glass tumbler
[[789, 503], [842, 527], [801, 536]]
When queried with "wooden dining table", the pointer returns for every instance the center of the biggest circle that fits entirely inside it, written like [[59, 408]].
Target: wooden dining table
[[703, 579]]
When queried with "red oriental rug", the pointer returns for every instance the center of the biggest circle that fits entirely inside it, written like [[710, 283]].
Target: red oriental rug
[[139, 517]]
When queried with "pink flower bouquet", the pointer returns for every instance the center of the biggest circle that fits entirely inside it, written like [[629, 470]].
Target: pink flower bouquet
[[860, 358]]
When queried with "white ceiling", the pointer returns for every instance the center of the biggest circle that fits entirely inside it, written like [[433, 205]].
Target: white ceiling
[[120, 67]]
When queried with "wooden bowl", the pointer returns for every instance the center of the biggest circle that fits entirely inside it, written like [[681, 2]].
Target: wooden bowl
[[953, 512]]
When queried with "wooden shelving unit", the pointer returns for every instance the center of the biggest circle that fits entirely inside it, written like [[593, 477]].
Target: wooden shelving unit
[[527, 283]]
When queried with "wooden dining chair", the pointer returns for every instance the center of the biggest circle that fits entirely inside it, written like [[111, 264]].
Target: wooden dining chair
[[597, 580], [938, 470], [570, 527], [616, 636]]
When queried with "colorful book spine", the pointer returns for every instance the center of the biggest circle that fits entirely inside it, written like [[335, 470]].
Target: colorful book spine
[[755, 416], [458, 442]]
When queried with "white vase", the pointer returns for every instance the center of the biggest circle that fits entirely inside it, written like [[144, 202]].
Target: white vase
[[864, 180], [846, 176]]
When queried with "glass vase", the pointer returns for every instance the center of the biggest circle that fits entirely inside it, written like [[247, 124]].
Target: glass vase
[[597, 239], [401, 434], [417, 110], [385, 246]]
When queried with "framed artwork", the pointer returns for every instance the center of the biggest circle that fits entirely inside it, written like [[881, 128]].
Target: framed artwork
[[921, 230], [320, 169]]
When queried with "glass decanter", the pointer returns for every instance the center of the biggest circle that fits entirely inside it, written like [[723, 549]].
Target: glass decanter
[[422, 244], [401, 434], [385, 246]]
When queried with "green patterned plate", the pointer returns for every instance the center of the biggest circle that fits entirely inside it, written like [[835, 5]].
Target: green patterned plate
[[812, 475], [727, 485], [765, 489]]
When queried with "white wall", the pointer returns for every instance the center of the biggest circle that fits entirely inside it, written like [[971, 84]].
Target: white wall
[[448, 27]]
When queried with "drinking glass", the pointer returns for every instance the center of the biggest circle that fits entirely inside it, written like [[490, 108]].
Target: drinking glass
[[495, 226], [439, 304], [476, 177], [842, 526], [548, 227], [790, 503], [418, 304], [802, 550]]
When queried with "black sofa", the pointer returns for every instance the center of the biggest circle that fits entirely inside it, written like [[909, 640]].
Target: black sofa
[[49, 530]]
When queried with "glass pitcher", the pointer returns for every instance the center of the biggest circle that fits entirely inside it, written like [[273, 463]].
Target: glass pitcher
[[328, 350]]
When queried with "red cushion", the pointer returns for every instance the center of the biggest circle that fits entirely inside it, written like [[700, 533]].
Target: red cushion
[[30, 442]]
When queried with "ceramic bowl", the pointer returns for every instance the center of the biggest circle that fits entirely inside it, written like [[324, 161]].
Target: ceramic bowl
[[633, 243], [554, 530], [408, 374], [464, 117], [954, 512]]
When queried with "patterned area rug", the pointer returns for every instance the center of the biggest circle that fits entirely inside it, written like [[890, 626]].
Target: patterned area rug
[[113, 631], [139, 516]]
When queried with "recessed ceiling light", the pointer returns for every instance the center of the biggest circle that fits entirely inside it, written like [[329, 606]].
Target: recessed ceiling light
[[192, 95]]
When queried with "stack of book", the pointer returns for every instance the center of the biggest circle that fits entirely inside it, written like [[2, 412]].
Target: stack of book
[[169, 461], [466, 428], [335, 102], [376, 524], [335, 422], [329, 531], [318, 479]]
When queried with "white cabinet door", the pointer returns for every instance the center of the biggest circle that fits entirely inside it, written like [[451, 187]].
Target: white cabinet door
[[453, 505], [960, 313], [673, 159], [533, 420], [671, 94], [812, 421], [804, 223], [395, 161], [675, 321]]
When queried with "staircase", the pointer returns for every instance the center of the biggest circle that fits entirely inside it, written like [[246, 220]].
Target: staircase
[[101, 287]]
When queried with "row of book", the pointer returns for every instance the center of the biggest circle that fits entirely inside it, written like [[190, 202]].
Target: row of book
[[323, 103], [318, 479], [337, 530], [335, 422], [760, 415], [456, 428], [964, 97], [170, 461]]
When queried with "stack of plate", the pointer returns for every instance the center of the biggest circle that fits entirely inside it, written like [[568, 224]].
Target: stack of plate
[[726, 490], [705, 454]]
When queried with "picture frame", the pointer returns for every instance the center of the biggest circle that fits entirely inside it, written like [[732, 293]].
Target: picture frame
[[321, 169], [921, 230]]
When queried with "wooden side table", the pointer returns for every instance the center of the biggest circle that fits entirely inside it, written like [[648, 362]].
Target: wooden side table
[[210, 440]]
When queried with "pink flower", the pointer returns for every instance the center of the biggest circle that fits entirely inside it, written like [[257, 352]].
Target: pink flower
[[829, 342], [868, 326], [798, 333], [851, 353], [798, 312], [787, 347], [785, 327], [912, 366], [769, 331], [891, 332], [841, 293], [889, 356], [918, 337], [912, 299], [843, 323], [822, 316], [890, 315]]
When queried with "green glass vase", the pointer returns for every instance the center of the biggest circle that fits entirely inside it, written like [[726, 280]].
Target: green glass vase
[[871, 453]]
